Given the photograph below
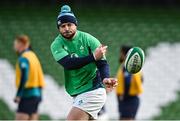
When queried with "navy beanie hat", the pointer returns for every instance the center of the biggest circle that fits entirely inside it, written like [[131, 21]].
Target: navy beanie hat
[[65, 16]]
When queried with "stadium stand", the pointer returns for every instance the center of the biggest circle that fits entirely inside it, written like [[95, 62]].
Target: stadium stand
[[139, 27], [158, 91]]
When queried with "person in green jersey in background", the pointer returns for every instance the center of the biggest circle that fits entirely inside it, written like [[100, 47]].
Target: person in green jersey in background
[[85, 67]]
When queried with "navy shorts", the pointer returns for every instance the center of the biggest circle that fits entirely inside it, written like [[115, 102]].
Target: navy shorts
[[29, 105], [128, 107]]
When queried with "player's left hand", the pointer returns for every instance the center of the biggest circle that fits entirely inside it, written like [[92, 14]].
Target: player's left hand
[[17, 99], [110, 83]]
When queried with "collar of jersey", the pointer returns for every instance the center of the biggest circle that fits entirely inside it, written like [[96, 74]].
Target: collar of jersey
[[24, 51]]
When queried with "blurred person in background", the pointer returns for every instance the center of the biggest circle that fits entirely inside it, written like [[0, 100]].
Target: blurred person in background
[[85, 67], [128, 89], [29, 80], [102, 115]]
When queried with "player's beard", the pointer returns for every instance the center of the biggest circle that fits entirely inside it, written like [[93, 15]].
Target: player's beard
[[68, 34]]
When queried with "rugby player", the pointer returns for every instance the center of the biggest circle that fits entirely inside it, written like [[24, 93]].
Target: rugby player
[[85, 67]]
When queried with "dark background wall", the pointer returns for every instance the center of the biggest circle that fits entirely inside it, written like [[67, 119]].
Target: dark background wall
[[92, 2]]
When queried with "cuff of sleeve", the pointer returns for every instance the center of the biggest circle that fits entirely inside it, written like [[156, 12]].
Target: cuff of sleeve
[[19, 94], [92, 57]]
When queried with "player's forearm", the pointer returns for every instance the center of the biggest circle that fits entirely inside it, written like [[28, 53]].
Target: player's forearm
[[103, 68], [72, 63]]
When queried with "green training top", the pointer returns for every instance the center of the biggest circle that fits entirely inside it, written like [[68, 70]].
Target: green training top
[[79, 80]]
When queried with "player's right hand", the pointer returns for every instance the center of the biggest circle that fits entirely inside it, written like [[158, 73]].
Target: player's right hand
[[100, 52], [110, 83]]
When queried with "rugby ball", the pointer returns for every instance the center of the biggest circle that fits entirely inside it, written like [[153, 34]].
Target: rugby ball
[[134, 60]]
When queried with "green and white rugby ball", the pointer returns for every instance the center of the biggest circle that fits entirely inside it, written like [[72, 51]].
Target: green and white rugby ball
[[134, 60]]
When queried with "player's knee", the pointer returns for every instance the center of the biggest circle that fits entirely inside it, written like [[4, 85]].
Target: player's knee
[[22, 116]]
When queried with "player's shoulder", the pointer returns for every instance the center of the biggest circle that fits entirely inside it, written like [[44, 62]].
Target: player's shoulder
[[27, 53], [23, 62], [22, 59], [87, 36], [84, 34], [139, 74], [56, 41]]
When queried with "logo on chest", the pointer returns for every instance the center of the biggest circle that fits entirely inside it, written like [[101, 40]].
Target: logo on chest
[[73, 52], [81, 48], [74, 55]]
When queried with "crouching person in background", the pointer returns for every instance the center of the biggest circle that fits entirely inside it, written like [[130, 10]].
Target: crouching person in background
[[29, 80], [128, 89]]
